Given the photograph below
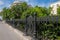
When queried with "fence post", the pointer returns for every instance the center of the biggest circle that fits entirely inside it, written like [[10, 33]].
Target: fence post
[[18, 23], [13, 23], [26, 26], [34, 26]]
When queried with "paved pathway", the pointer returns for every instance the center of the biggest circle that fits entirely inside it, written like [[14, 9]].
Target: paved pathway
[[8, 33]]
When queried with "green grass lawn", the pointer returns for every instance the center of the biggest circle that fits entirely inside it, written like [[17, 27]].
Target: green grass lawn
[[58, 38]]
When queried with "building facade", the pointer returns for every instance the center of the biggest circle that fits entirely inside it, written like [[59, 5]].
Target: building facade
[[54, 7]]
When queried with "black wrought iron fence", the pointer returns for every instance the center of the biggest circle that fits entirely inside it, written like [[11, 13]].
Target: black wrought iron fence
[[39, 28]]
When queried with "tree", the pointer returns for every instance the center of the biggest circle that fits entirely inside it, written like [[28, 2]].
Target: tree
[[49, 10], [40, 11], [15, 11], [58, 11], [6, 12], [18, 9]]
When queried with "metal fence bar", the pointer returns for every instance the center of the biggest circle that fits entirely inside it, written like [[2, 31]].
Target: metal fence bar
[[34, 26], [35, 20]]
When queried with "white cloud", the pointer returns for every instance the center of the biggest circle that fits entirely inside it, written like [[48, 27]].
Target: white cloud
[[1, 2]]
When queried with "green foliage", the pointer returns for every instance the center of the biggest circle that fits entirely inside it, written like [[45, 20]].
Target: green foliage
[[40, 11], [58, 10], [6, 13], [15, 11], [20, 11], [49, 31]]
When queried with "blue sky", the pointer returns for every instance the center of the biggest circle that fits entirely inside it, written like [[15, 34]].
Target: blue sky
[[7, 3]]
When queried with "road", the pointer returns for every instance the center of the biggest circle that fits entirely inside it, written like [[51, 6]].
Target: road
[[7, 34]]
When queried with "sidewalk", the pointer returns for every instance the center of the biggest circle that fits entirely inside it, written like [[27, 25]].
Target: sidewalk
[[19, 33]]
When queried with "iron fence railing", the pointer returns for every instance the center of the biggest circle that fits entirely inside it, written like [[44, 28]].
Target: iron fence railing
[[33, 26]]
